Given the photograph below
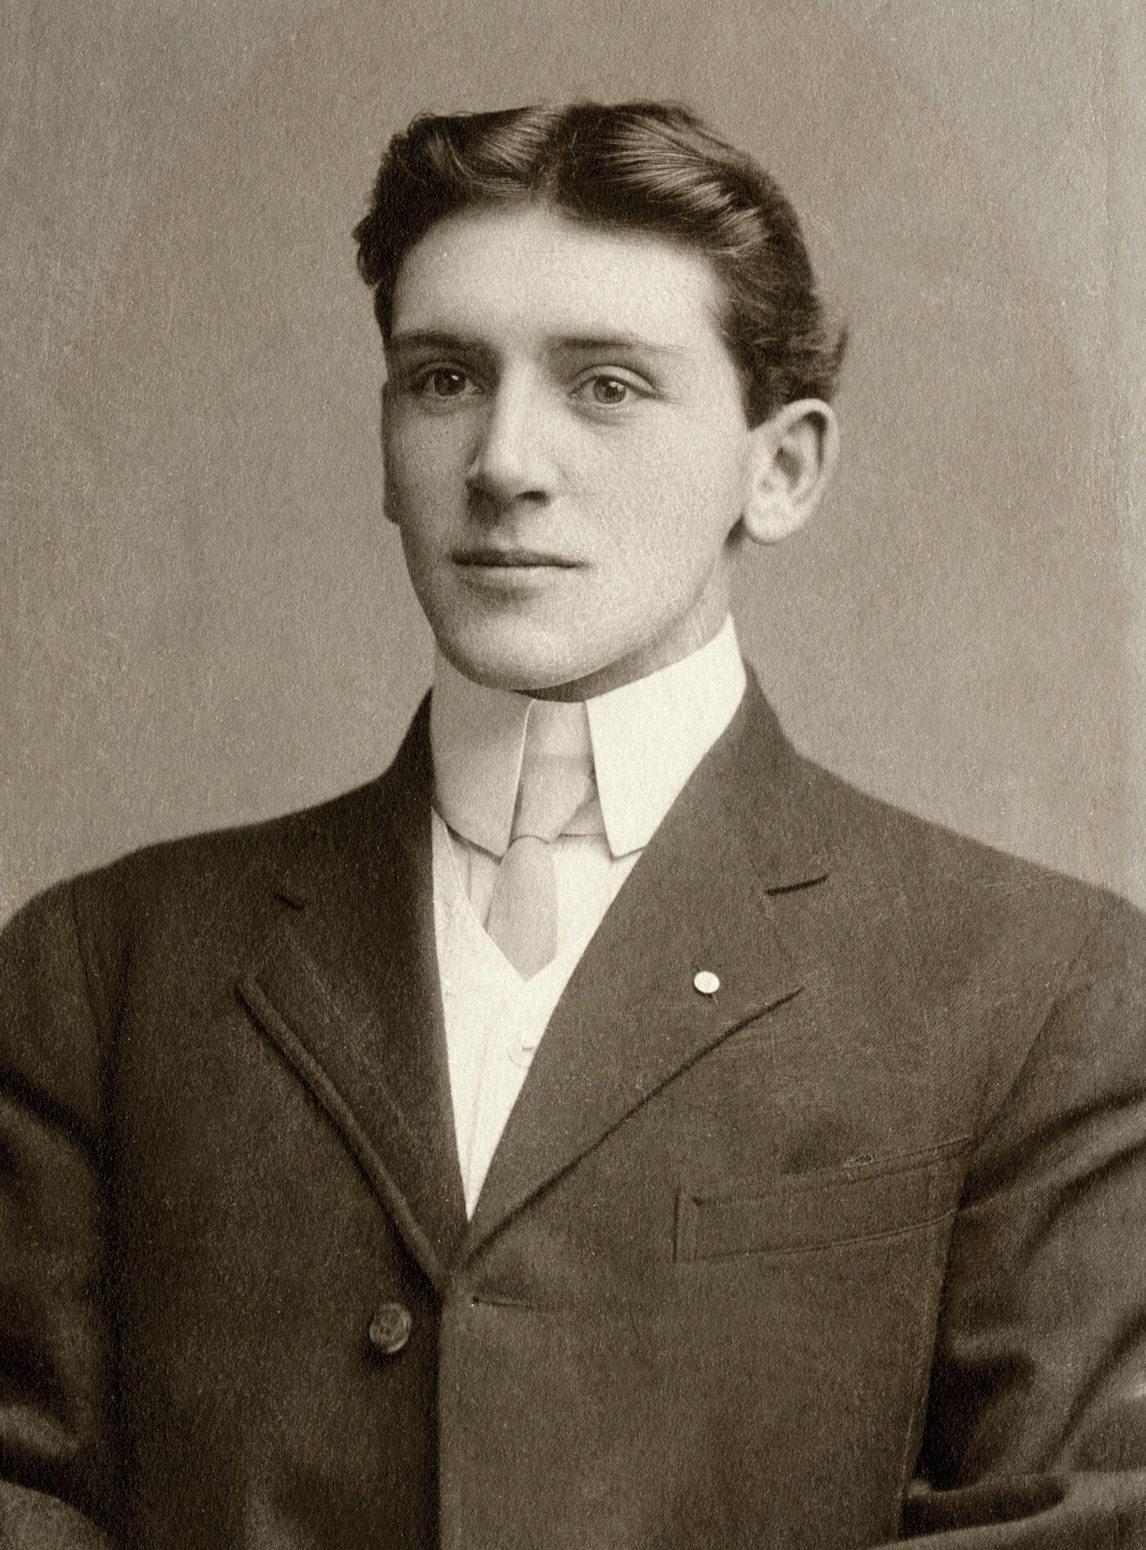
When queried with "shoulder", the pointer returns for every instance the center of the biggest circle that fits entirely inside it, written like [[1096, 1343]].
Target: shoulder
[[203, 899], [942, 877], [1003, 952], [897, 870], [210, 884]]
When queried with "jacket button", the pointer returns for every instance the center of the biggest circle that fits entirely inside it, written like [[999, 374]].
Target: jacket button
[[391, 1328]]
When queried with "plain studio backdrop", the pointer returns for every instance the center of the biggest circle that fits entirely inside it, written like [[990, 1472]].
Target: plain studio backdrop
[[204, 616]]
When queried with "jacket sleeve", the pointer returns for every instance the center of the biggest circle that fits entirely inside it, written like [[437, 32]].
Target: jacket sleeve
[[56, 1477], [1036, 1423]]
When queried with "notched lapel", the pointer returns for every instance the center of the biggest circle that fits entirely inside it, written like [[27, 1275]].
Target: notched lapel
[[346, 984], [698, 902]]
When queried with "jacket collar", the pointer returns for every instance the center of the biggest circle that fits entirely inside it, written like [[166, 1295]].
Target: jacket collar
[[347, 982]]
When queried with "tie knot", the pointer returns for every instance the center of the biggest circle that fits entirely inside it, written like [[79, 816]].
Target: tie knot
[[556, 769]]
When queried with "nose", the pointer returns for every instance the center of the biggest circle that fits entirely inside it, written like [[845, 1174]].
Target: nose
[[510, 461]]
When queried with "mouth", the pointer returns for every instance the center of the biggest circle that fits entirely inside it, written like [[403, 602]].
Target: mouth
[[489, 558]]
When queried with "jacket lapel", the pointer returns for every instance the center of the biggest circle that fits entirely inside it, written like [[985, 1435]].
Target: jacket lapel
[[347, 985], [347, 980], [631, 1016]]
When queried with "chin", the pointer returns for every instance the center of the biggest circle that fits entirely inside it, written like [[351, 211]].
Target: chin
[[512, 661]]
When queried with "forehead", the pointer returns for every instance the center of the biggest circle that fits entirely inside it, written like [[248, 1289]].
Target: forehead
[[529, 270]]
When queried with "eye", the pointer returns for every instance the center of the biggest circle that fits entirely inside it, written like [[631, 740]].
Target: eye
[[605, 390], [442, 382]]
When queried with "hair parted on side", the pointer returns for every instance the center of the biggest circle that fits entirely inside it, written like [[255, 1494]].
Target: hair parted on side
[[642, 166]]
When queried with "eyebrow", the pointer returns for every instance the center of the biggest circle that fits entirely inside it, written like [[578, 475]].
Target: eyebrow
[[564, 344], [602, 344]]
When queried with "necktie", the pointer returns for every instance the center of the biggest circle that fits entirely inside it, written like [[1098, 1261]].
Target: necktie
[[556, 781]]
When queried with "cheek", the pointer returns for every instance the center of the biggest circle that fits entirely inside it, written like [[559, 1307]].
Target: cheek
[[686, 459], [675, 500], [424, 460]]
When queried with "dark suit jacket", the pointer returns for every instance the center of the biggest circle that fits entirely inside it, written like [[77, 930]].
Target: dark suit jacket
[[745, 1266]]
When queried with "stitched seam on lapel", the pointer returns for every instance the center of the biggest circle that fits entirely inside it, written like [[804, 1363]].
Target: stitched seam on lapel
[[724, 1031], [343, 1116], [324, 992]]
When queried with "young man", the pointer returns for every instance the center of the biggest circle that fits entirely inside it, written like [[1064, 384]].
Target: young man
[[607, 1128]]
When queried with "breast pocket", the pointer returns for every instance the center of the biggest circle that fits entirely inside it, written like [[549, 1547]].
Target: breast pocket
[[868, 1198]]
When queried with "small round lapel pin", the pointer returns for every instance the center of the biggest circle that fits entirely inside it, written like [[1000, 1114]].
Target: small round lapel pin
[[706, 982]]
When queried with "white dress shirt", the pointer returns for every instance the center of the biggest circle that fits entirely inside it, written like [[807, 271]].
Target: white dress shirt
[[643, 741]]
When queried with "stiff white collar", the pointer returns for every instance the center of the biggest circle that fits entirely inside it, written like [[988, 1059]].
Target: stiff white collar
[[647, 737]]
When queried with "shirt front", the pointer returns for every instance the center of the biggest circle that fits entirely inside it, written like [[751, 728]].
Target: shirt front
[[642, 742]]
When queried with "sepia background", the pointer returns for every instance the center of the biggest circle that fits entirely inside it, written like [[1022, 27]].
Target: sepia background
[[203, 616]]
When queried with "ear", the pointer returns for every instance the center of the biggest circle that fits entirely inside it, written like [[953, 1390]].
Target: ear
[[791, 459]]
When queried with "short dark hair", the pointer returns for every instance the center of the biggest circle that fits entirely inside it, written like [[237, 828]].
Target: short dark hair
[[641, 166]]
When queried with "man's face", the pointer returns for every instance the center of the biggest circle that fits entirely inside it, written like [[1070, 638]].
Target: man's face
[[566, 449]]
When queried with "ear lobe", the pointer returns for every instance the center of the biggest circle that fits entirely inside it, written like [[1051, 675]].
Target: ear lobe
[[791, 459]]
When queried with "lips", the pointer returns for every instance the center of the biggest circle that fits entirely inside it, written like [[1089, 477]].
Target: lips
[[487, 557]]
